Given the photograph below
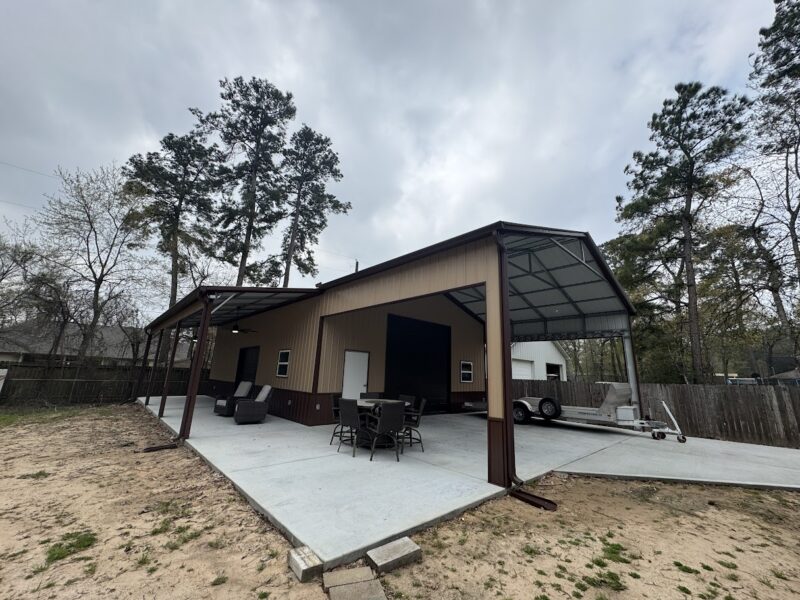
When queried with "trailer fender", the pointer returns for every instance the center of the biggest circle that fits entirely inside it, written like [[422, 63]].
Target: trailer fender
[[522, 410]]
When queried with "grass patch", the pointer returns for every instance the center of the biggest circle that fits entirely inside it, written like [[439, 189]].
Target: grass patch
[[531, 550], [36, 475], [684, 568], [728, 564], [613, 552], [164, 526], [779, 574], [608, 579], [684, 590], [219, 580], [70, 544]]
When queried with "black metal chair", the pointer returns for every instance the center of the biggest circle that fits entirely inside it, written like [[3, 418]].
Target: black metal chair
[[350, 421], [337, 430], [253, 411], [388, 424], [412, 421], [225, 406]]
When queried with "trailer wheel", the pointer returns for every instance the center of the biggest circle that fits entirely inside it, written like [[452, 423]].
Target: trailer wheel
[[521, 413], [661, 435], [682, 439], [549, 408]]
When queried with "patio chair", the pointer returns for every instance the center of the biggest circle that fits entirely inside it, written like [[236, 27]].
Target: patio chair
[[351, 422], [412, 421], [388, 425], [225, 406], [338, 428], [255, 410]]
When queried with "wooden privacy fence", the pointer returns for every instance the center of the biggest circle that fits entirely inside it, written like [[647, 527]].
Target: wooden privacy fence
[[37, 385], [756, 414]]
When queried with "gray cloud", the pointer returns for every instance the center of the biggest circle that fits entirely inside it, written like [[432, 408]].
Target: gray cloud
[[447, 115]]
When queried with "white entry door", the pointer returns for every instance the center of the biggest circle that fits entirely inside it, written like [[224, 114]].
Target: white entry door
[[356, 367]]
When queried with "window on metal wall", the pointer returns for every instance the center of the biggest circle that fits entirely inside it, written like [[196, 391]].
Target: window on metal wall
[[283, 363], [553, 371], [466, 371]]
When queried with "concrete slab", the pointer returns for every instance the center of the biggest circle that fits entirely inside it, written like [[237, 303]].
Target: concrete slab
[[697, 461], [341, 506]]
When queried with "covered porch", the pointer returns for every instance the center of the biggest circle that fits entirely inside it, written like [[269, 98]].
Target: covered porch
[[488, 288]]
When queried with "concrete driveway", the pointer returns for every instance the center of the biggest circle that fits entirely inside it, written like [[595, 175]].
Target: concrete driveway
[[342, 506]]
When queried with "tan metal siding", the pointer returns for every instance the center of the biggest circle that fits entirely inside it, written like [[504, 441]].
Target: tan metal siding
[[365, 330], [293, 327]]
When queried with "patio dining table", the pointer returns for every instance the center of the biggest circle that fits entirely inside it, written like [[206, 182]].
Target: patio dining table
[[369, 406]]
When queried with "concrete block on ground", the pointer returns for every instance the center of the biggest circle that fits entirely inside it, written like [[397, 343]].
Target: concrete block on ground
[[394, 554], [304, 563], [346, 576], [364, 590]]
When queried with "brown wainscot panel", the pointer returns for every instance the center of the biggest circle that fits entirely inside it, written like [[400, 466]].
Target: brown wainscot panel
[[457, 399], [497, 457], [302, 407]]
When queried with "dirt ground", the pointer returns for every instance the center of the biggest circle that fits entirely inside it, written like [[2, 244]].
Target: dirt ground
[[614, 539], [82, 515]]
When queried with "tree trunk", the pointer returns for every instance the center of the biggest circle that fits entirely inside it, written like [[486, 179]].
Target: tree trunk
[[174, 255], [88, 334], [251, 218], [292, 238], [695, 340]]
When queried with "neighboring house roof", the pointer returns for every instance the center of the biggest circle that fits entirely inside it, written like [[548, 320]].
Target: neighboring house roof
[[33, 337]]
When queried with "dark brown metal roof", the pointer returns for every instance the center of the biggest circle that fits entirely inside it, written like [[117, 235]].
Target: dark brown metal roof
[[586, 286], [231, 303]]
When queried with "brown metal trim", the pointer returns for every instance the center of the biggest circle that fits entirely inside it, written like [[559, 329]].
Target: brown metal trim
[[155, 367], [317, 356], [508, 416], [143, 368], [196, 371], [176, 334]]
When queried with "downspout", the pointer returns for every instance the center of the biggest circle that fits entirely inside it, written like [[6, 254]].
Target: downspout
[[514, 483]]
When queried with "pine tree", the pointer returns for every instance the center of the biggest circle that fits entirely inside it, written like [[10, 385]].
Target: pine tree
[[675, 184], [252, 126], [180, 181], [309, 164]]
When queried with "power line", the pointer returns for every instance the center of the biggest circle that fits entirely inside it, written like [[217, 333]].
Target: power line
[[26, 169], [18, 204]]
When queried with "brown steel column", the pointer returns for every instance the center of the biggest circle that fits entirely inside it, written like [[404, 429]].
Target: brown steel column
[[138, 384], [197, 367], [508, 407], [165, 389], [153, 370]]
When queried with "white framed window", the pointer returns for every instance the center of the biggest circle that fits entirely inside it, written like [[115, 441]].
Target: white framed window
[[283, 363], [466, 371]]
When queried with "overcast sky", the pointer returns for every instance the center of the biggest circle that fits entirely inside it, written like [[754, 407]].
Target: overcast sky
[[447, 115]]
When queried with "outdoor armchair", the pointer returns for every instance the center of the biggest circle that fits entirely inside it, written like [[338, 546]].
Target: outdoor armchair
[[224, 406], [411, 422], [351, 422], [389, 425], [253, 411]]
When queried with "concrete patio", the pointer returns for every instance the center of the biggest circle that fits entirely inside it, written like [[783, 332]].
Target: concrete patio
[[341, 506]]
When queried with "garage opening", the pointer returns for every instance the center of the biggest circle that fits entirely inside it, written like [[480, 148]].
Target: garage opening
[[418, 361]]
